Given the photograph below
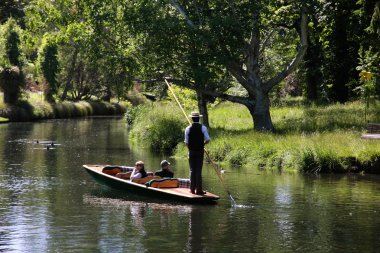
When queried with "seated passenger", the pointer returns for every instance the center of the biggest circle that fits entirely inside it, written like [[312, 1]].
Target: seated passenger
[[165, 170], [138, 171]]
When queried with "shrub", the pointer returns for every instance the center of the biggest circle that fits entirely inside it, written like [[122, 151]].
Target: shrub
[[11, 82], [48, 64], [160, 128], [165, 134]]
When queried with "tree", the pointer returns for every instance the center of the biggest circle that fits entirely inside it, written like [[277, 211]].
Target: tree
[[48, 61], [370, 43], [12, 9], [93, 51], [169, 50], [11, 76], [236, 35]]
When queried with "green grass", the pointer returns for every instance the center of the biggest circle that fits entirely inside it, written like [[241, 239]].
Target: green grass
[[2, 105], [2, 120], [308, 138]]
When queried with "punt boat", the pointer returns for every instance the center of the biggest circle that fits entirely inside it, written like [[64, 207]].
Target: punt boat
[[165, 189]]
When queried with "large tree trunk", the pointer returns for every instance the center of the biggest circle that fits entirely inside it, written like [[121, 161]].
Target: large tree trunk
[[260, 112], [202, 106]]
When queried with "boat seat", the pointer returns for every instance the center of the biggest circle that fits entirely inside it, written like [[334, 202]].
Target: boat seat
[[144, 179], [163, 183], [124, 175], [114, 169], [183, 183]]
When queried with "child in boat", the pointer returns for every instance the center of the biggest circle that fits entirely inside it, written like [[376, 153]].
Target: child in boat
[[165, 170], [138, 171]]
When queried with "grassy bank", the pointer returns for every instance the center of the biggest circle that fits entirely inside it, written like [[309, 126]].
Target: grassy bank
[[33, 107], [308, 138]]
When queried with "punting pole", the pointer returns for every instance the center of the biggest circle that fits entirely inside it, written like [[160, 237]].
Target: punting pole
[[214, 165]]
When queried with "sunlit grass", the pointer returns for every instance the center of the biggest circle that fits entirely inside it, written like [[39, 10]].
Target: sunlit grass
[[308, 138], [2, 105], [299, 118]]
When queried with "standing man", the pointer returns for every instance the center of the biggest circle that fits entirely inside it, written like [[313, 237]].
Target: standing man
[[196, 136]]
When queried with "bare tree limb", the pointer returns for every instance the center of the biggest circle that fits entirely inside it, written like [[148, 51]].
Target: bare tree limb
[[179, 9], [296, 60], [266, 41]]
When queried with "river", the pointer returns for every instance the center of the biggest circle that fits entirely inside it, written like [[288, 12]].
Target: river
[[48, 202]]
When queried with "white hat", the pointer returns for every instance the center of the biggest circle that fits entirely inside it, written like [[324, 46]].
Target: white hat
[[195, 115]]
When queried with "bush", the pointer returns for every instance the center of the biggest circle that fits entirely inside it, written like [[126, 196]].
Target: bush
[[165, 134], [11, 82], [38, 109], [160, 127]]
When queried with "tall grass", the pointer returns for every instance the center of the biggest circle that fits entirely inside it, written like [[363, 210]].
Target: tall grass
[[159, 127], [308, 138], [2, 105], [298, 118]]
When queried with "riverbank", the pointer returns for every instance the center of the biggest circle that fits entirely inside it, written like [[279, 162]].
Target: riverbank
[[38, 109], [308, 138]]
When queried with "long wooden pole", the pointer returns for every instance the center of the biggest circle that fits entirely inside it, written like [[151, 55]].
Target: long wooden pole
[[215, 166]]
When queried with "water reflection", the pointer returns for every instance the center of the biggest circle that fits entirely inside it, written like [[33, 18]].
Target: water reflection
[[155, 220], [48, 203]]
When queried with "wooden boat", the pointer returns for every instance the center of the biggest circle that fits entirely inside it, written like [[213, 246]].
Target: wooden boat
[[150, 186]]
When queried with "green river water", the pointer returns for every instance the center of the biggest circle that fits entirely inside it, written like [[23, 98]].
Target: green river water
[[48, 203]]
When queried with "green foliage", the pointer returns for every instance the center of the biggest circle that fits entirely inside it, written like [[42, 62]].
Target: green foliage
[[186, 97], [49, 66], [12, 9], [35, 108], [11, 82], [10, 44], [136, 98], [133, 112], [11, 77], [160, 127], [94, 53]]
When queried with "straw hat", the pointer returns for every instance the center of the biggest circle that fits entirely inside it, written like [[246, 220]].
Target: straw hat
[[195, 115]]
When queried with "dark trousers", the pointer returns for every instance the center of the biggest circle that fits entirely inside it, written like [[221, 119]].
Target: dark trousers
[[196, 163]]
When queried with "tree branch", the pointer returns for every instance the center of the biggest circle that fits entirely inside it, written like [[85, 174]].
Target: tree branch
[[266, 41], [236, 99], [179, 9], [237, 72], [296, 60], [191, 85]]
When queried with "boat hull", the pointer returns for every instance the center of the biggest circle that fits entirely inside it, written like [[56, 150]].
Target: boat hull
[[173, 194]]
